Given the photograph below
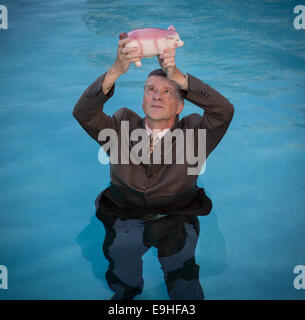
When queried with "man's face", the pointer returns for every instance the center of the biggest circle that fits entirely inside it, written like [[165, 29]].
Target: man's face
[[161, 100]]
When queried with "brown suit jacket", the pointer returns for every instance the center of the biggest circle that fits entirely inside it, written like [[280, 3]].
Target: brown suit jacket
[[149, 189]]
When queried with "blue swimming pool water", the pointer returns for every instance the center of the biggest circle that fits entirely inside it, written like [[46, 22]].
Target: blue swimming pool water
[[50, 239]]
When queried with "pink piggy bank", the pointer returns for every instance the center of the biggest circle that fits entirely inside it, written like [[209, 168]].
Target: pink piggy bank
[[152, 41]]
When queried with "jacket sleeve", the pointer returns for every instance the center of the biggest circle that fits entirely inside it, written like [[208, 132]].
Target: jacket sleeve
[[88, 110], [218, 111]]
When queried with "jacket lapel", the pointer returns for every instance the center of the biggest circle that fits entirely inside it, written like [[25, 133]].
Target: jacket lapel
[[141, 124]]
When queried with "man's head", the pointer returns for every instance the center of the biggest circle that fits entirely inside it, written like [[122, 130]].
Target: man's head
[[162, 100]]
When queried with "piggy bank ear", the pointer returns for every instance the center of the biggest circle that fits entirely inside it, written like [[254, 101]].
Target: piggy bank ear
[[171, 28], [170, 35]]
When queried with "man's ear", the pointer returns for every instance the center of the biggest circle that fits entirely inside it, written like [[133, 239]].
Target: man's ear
[[180, 107]]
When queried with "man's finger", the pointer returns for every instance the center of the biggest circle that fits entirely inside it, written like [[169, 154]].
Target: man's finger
[[169, 59], [169, 51], [134, 56], [168, 54], [122, 42], [169, 64], [129, 50], [135, 59]]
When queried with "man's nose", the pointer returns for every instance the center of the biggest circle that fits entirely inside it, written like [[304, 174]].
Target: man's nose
[[157, 95]]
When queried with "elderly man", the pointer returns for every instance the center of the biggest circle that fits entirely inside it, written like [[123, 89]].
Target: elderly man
[[153, 192]]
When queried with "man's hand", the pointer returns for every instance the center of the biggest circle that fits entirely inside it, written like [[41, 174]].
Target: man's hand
[[168, 64], [125, 56]]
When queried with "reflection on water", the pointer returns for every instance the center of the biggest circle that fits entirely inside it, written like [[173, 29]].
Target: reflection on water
[[123, 242]]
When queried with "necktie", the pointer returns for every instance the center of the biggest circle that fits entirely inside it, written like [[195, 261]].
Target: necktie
[[153, 139]]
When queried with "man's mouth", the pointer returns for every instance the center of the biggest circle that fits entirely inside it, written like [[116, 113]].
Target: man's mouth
[[157, 106]]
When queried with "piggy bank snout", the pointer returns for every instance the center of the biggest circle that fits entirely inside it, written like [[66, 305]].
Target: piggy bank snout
[[179, 43]]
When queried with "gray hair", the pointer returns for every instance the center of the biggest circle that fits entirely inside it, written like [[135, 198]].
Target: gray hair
[[162, 73]]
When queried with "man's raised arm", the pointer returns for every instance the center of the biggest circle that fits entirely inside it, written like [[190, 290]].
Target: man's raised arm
[[218, 111], [88, 110]]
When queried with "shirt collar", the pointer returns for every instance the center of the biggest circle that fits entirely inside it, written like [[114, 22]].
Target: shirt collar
[[160, 133]]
